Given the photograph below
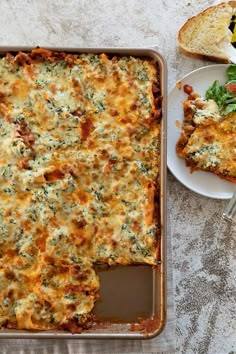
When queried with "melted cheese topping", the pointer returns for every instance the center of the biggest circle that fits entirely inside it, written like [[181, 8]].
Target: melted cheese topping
[[211, 143], [78, 169], [205, 111]]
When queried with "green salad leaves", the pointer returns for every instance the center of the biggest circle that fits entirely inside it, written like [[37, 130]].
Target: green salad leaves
[[224, 95], [231, 73]]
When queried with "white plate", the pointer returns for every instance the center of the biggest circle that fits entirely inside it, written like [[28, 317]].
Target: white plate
[[204, 183]]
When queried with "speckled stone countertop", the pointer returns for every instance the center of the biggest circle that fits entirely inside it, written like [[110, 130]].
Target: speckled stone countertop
[[204, 246]]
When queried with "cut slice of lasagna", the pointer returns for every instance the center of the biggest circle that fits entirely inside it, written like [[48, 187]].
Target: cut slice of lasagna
[[208, 140], [46, 294]]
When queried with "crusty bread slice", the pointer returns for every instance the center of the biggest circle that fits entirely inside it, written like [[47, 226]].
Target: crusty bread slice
[[207, 35]]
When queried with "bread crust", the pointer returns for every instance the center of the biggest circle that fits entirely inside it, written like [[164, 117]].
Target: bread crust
[[188, 24], [204, 56]]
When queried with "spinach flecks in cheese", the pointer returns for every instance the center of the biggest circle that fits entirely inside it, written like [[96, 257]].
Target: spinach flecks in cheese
[[78, 176], [205, 111]]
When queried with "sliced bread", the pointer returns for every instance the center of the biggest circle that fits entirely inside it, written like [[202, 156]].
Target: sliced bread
[[207, 35]]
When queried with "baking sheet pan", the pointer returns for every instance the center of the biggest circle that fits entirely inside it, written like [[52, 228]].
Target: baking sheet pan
[[127, 293]]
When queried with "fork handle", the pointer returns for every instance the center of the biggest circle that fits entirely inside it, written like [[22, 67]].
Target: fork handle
[[230, 211]]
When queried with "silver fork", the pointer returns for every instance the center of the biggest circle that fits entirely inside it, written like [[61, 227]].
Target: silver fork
[[229, 213]]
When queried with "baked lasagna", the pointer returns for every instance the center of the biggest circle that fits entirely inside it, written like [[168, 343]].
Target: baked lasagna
[[208, 138], [79, 169]]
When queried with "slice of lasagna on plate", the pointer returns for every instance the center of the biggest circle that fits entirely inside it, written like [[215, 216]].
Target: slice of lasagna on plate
[[208, 138]]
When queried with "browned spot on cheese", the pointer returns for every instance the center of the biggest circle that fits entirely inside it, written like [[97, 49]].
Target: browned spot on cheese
[[113, 112], [83, 196], [30, 71], [86, 128], [79, 224], [26, 224], [8, 212], [78, 112], [73, 289], [41, 241], [4, 110], [10, 274], [21, 88], [23, 164], [136, 227], [53, 88], [54, 175], [11, 252]]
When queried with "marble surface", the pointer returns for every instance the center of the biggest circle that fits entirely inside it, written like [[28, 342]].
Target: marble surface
[[204, 246]]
